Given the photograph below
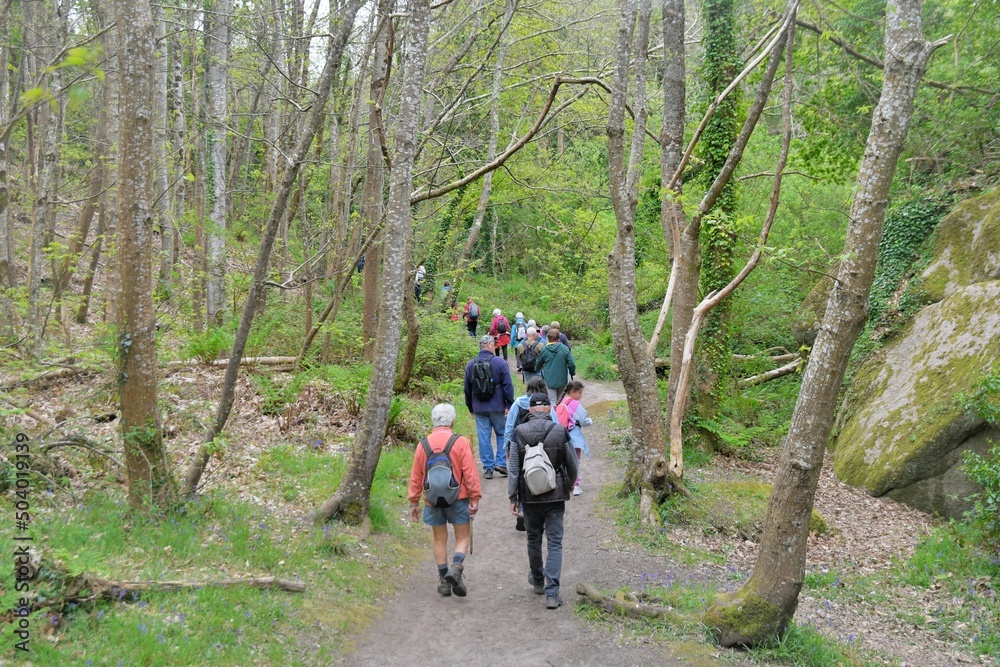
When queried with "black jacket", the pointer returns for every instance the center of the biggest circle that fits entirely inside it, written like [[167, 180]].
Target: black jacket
[[539, 427]]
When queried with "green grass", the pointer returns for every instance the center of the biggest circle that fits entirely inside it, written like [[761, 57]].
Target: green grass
[[804, 646], [216, 537]]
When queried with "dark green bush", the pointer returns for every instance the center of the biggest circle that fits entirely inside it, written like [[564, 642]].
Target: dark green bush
[[208, 345], [444, 349]]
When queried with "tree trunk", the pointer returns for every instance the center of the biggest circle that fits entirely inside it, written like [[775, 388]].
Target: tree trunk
[[8, 276], [164, 211], [218, 77], [765, 604], [647, 467], [260, 273], [412, 339], [146, 462], [375, 175], [351, 499]]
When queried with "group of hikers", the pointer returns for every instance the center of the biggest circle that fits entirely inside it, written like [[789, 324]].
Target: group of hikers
[[539, 446]]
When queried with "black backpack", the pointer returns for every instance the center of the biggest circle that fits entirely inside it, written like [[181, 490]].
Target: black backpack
[[502, 326], [483, 387], [440, 487], [529, 357]]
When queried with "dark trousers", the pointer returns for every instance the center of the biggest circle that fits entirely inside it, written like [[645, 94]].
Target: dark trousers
[[472, 327], [501, 349], [545, 518]]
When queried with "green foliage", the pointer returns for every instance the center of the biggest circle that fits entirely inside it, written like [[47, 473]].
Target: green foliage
[[805, 646], [985, 471], [443, 350], [907, 226], [595, 362], [208, 345]]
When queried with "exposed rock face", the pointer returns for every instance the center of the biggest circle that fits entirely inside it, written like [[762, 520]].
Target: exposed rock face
[[805, 326], [906, 435]]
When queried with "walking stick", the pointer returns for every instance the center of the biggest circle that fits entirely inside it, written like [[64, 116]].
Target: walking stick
[[471, 521]]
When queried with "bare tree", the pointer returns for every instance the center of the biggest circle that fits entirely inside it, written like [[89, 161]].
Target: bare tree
[[765, 604], [145, 458], [351, 500]]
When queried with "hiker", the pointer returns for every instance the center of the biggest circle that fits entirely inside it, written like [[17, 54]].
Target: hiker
[[556, 365], [471, 316], [518, 333], [500, 330], [445, 293], [572, 415], [489, 393], [562, 337], [527, 359], [448, 480], [418, 282], [542, 465], [516, 416]]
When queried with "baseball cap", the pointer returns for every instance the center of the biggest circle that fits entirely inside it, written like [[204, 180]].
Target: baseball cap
[[486, 340], [539, 399]]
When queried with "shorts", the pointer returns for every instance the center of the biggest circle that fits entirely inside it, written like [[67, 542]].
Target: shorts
[[439, 516]]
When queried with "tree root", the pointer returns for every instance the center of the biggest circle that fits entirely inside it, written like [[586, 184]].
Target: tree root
[[631, 609]]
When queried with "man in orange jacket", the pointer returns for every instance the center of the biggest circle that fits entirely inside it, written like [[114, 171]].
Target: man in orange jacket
[[458, 513]]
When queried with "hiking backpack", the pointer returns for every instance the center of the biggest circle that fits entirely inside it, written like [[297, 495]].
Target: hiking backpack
[[563, 416], [520, 331], [529, 357], [440, 487], [503, 326], [482, 380], [539, 473], [473, 312]]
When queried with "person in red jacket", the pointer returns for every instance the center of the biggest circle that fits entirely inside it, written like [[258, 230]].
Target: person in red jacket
[[460, 513], [500, 330]]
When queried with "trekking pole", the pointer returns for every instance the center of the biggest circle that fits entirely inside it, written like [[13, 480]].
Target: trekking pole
[[471, 520]]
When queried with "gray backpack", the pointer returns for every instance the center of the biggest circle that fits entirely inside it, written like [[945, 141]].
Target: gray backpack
[[440, 487], [539, 473]]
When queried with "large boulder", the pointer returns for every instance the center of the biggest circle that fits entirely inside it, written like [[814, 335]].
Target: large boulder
[[905, 435]]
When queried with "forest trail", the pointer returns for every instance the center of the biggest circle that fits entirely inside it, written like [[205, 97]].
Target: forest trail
[[502, 622]]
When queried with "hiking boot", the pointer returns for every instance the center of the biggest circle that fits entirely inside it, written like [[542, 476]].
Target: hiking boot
[[444, 588], [519, 524], [488, 473], [553, 601], [577, 489], [454, 577], [502, 471], [537, 586]]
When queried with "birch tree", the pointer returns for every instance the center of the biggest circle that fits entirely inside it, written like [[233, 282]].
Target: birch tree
[[763, 607], [145, 458], [351, 499]]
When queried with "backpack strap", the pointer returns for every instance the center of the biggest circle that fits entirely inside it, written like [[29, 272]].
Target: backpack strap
[[451, 441], [427, 447]]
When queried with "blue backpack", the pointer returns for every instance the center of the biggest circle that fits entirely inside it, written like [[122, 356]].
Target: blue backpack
[[440, 487]]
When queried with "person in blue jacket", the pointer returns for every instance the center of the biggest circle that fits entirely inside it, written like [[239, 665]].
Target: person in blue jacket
[[489, 394]]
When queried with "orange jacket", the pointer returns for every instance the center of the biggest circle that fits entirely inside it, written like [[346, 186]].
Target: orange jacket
[[463, 465]]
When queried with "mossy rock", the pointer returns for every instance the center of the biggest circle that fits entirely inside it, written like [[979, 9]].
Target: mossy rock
[[907, 427], [966, 248]]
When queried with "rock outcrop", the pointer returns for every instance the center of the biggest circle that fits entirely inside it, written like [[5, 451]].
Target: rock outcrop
[[906, 435]]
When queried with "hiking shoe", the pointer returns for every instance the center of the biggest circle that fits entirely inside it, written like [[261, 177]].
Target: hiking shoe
[[502, 471], [553, 601], [537, 586], [488, 473], [519, 524], [444, 588], [454, 577], [577, 489]]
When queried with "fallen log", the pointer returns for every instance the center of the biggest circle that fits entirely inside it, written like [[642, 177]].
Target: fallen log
[[222, 363], [787, 369], [781, 358], [630, 609]]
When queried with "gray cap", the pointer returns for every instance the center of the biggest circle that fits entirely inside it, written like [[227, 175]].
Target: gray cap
[[486, 340]]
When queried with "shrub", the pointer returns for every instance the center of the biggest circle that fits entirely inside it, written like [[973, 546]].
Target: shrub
[[444, 349], [984, 401], [208, 345]]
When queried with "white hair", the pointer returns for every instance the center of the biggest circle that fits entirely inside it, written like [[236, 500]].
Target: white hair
[[519, 316], [443, 414], [496, 311]]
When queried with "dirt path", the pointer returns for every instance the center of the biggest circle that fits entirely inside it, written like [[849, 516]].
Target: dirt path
[[502, 622]]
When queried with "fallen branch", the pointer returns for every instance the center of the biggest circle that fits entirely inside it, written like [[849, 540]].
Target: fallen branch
[[82, 443], [787, 369], [114, 590], [778, 359], [222, 363], [630, 609]]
